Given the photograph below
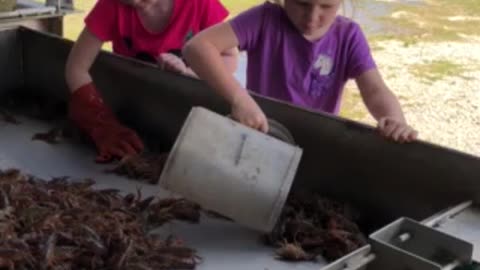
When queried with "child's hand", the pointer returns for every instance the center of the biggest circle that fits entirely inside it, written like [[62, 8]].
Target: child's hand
[[396, 130], [246, 111], [171, 62]]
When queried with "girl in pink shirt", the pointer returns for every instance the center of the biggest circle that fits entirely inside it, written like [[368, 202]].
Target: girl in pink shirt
[[149, 30]]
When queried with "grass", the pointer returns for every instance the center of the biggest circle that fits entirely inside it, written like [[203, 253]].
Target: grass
[[434, 21], [437, 70], [352, 106]]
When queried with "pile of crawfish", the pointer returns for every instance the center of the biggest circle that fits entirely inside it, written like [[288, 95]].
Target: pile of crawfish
[[312, 226], [64, 224], [143, 167]]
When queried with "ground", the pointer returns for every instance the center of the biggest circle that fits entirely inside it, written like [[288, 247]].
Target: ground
[[430, 58]]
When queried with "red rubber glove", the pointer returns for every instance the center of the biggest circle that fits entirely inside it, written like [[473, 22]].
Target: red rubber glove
[[92, 116]]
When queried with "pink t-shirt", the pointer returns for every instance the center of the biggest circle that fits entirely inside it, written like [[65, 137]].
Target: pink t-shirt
[[112, 20]]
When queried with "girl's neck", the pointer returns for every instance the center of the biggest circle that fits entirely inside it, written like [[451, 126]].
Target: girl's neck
[[317, 35], [156, 17], [157, 7]]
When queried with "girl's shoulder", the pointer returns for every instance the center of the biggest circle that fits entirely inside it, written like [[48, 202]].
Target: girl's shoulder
[[346, 29], [266, 8], [117, 6], [344, 24], [273, 9]]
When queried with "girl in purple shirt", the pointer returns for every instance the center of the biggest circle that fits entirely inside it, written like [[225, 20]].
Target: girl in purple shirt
[[299, 51]]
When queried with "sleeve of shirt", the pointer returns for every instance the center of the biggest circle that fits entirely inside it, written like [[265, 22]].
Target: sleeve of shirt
[[213, 12], [101, 19], [247, 27], [360, 58]]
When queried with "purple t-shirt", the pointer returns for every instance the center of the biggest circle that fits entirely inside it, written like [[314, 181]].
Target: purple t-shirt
[[282, 64]]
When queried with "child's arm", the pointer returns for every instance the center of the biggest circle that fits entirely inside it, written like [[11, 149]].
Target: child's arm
[[87, 109], [80, 59], [230, 59], [384, 106], [203, 53], [378, 98]]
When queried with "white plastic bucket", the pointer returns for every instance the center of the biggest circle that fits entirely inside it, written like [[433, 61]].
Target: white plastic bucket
[[229, 168]]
